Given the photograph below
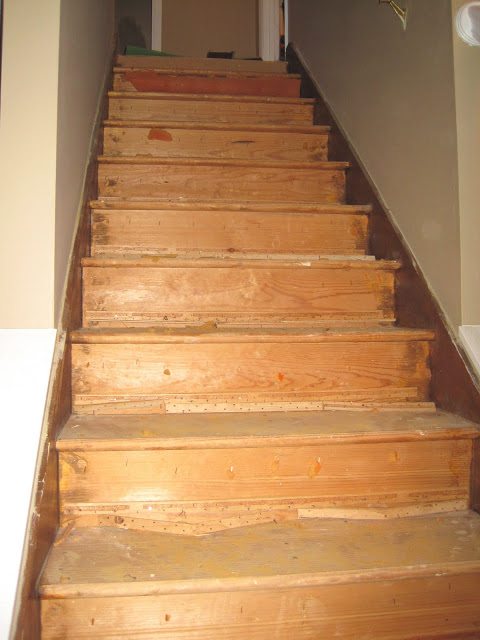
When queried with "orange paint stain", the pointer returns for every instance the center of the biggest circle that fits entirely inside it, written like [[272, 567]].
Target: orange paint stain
[[315, 468], [160, 134], [166, 372], [281, 377]]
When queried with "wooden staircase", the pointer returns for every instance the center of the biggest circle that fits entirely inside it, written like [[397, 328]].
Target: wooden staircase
[[253, 451]]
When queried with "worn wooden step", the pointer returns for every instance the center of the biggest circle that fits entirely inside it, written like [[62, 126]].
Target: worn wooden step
[[227, 470], [124, 105], [175, 139], [203, 81], [175, 63], [152, 291], [201, 368], [226, 228], [403, 578], [221, 179]]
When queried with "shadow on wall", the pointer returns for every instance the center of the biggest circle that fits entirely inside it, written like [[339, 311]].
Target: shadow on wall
[[133, 19]]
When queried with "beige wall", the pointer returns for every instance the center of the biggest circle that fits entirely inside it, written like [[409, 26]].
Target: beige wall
[[86, 32], [28, 139], [54, 60], [193, 27], [467, 91], [393, 93]]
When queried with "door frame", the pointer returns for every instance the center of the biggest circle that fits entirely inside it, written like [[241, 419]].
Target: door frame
[[157, 20], [268, 27]]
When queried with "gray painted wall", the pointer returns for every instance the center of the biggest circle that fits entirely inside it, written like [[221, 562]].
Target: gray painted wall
[[393, 92]]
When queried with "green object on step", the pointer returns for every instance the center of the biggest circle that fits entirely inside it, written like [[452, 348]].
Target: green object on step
[[140, 51]]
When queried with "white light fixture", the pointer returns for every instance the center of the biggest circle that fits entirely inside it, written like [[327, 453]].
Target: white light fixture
[[468, 23]]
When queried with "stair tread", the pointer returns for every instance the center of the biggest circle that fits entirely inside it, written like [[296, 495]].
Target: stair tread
[[176, 63], [219, 126], [225, 162], [214, 97], [223, 73], [210, 333], [109, 561], [215, 205], [274, 261], [201, 431]]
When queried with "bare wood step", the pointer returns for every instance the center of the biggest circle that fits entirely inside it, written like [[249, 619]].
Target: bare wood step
[[150, 178], [259, 430], [209, 108], [175, 63], [279, 85], [168, 228], [258, 142], [230, 470], [152, 291], [186, 369], [300, 579]]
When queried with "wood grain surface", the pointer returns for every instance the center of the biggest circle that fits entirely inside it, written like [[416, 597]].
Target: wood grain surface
[[185, 108]]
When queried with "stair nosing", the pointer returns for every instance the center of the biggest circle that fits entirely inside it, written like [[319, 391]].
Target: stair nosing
[[213, 97], [311, 165], [218, 126], [190, 586], [210, 334], [302, 208], [183, 261]]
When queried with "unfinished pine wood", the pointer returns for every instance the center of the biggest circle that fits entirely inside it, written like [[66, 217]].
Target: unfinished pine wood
[[212, 108], [177, 63], [334, 229], [330, 476], [232, 180], [383, 610], [320, 552], [207, 82], [165, 139], [288, 432], [152, 291], [197, 366], [124, 433], [209, 334]]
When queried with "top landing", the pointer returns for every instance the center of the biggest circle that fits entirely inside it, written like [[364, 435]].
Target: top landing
[[174, 63]]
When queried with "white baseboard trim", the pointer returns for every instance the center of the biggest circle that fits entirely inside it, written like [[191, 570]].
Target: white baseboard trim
[[25, 363], [470, 337]]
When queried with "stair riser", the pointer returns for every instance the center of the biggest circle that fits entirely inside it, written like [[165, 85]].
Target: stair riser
[[223, 488], [150, 81], [229, 111], [140, 296], [215, 182], [150, 232], [248, 372], [169, 142], [439, 607]]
